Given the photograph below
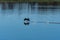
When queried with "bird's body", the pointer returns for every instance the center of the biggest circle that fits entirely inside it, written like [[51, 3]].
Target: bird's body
[[26, 21]]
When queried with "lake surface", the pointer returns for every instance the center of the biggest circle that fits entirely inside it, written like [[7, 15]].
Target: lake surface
[[12, 23]]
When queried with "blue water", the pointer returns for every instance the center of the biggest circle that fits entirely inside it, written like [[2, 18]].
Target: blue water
[[12, 24]]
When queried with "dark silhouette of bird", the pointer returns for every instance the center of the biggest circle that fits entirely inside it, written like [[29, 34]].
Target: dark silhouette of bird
[[26, 21]]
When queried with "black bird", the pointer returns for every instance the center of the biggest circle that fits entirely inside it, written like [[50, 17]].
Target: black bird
[[26, 21]]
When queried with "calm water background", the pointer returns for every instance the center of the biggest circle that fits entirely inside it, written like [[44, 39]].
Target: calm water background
[[12, 23]]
